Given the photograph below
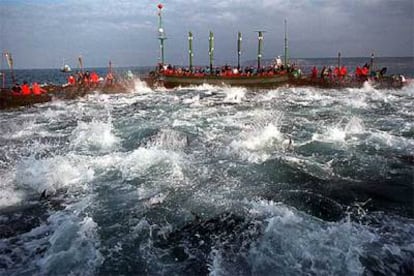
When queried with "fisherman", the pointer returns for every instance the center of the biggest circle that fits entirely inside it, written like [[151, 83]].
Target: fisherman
[[343, 72], [279, 63], [94, 78], [71, 80], [79, 77], [109, 79], [17, 90], [323, 72], [130, 76], [86, 78], [25, 88], [314, 72], [36, 89]]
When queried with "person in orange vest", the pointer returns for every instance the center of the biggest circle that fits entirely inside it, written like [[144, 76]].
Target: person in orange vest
[[71, 80], [36, 89], [343, 71], [94, 78], [25, 88]]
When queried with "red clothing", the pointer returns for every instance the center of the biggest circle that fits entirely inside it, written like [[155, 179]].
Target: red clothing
[[344, 71], [94, 78], [314, 72], [25, 89], [364, 71], [71, 80], [37, 90]]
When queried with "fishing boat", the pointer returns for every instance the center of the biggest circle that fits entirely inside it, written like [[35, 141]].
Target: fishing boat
[[253, 81], [10, 99], [65, 67], [261, 77], [258, 77]]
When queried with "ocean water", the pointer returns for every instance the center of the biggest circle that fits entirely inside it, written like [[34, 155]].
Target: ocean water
[[210, 181]]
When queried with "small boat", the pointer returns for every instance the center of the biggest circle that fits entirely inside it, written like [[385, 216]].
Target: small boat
[[65, 68], [9, 99]]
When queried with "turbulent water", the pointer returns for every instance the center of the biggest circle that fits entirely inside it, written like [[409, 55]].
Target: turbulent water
[[210, 180]]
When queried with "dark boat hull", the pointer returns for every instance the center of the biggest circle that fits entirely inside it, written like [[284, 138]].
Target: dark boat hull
[[8, 99], [387, 82], [243, 81]]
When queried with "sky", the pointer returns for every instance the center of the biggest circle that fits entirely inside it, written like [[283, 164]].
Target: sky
[[41, 33]]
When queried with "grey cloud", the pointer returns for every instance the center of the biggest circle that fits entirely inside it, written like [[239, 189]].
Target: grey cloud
[[39, 34]]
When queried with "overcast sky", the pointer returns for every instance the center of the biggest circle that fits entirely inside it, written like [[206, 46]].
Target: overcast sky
[[40, 33]]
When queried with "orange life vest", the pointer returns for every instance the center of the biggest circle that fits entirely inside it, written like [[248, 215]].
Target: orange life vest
[[25, 89]]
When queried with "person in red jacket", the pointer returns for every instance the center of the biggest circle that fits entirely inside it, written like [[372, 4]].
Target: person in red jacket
[[94, 78], [71, 80], [314, 72], [36, 89], [25, 88]]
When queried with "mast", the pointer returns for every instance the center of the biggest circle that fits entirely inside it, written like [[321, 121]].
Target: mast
[[239, 39], [190, 50], [211, 50], [286, 46], [9, 60], [371, 65], [80, 63], [161, 33], [259, 48], [339, 60], [2, 73]]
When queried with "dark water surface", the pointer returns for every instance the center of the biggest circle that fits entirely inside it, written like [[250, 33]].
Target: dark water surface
[[210, 180]]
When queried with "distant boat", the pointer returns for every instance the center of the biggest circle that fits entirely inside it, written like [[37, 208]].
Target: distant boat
[[65, 68]]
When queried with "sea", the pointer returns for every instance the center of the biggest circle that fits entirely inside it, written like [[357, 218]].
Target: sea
[[210, 180]]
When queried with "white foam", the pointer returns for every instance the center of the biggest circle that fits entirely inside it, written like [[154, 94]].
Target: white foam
[[234, 94], [52, 174], [195, 101], [258, 142], [141, 87], [74, 247], [94, 135], [141, 160], [338, 133], [296, 243]]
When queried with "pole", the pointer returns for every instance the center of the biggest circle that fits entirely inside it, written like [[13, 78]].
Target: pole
[[110, 67], [161, 33], [3, 74], [190, 50], [371, 65], [9, 60], [259, 49], [286, 45], [239, 39], [80, 63], [339, 60], [211, 50]]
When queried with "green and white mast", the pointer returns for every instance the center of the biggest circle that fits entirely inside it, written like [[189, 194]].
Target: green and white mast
[[239, 39], [259, 48], [190, 50], [211, 50], [286, 46], [161, 33]]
